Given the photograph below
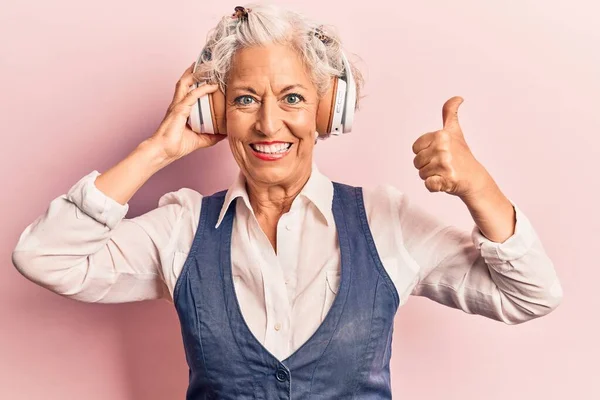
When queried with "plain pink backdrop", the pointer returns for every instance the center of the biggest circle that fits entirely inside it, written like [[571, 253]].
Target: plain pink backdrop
[[84, 82]]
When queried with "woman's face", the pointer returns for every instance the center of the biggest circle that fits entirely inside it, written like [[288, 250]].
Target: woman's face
[[270, 111]]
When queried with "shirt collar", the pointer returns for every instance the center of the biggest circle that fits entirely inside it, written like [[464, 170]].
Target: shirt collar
[[318, 190]]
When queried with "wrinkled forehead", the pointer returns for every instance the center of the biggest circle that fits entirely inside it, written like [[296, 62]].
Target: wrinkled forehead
[[275, 65]]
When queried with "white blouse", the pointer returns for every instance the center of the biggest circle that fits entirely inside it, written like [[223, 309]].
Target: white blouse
[[82, 247]]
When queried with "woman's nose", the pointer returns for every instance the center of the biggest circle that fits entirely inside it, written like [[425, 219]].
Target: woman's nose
[[269, 118]]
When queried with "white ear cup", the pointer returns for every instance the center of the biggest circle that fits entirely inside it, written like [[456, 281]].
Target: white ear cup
[[205, 114], [195, 120], [338, 109], [200, 119], [350, 99]]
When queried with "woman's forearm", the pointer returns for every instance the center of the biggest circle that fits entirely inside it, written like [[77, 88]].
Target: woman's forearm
[[125, 178], [493, 213]]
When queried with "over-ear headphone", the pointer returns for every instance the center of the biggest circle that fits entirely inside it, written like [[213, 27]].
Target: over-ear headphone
[[335, 112]]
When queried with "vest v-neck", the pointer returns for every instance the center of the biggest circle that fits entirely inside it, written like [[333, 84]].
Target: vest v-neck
[[333, 315]]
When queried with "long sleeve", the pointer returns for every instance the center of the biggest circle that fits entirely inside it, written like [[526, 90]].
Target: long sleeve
[[84, 249], [513, 282]]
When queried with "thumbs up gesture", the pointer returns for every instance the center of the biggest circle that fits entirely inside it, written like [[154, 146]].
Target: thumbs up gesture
[[444, 159]]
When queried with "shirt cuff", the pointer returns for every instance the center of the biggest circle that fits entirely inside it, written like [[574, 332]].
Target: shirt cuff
[[515, 247], [93, 202]]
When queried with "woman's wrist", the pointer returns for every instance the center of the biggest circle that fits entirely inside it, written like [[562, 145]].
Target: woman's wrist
[[153, 154]]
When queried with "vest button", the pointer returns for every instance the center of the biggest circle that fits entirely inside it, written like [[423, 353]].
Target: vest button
[[281, 375]]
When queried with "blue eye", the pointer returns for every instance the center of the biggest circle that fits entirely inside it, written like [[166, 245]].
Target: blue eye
[[239, 101], [299, 97], [246, 100]]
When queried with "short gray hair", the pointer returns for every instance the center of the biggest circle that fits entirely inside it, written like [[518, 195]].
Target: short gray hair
[[265, 24]]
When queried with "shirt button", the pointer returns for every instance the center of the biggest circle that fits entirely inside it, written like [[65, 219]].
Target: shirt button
[[281, 375], [288, 227], [277, 326]]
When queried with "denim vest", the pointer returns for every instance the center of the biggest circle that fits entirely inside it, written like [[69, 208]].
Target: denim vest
[[346, 358]]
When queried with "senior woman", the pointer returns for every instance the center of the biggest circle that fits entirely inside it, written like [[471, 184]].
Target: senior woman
[[286, 284]]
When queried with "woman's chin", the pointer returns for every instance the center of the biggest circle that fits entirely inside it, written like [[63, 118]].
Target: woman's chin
[[271, 173]]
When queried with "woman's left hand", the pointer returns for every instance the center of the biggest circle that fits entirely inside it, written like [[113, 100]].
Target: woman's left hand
[[445, 161]]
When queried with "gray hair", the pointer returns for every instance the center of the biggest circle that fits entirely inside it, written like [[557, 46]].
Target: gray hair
[[265, 24]]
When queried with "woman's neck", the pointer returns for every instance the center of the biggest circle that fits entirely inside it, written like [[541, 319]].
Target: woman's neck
[[272, 201]]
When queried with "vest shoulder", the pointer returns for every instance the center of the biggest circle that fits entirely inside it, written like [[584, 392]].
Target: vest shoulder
[[345, 186]]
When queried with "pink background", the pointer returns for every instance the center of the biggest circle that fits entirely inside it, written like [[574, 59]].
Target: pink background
[[84, 82]]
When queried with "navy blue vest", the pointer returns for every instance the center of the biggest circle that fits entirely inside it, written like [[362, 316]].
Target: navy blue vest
[[346, 358]]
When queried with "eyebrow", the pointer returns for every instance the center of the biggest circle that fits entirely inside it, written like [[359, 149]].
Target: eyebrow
[[285, 89]]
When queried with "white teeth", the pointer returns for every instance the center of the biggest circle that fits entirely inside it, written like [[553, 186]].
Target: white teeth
[[271, 149]]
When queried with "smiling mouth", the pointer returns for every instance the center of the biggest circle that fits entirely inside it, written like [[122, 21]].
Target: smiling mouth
[[271, 149]]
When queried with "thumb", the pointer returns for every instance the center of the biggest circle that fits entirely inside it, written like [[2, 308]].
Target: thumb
[[450, 111]]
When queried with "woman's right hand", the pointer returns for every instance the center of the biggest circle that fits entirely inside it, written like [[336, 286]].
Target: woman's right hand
[[174, 136]]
